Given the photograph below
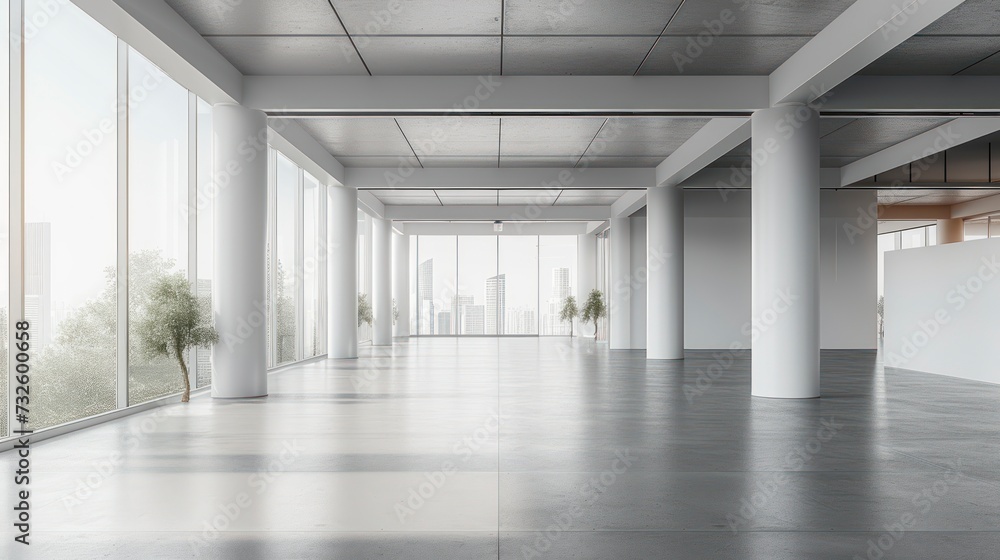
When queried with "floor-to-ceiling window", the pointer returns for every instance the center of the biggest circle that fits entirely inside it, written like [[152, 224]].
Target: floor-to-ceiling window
[[364, 276], [311, 269], [204, 208], [491, 284], [286, 204], [157, 211], [556, 280], [476, 296], [70, 214]]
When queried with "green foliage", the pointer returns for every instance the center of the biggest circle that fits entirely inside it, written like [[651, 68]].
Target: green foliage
[[173, 322], [594, 309], [364, 310], [569, 312]]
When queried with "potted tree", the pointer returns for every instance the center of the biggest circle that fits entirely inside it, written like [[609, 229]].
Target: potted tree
[[569, 312], [364, 310], [174, 322], [594, 309]]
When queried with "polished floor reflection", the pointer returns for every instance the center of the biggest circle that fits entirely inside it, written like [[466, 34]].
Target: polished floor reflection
[[532, 448]]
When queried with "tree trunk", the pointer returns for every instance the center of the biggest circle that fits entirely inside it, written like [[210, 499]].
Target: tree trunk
[[184, 372], [595, 330], [571, 328]]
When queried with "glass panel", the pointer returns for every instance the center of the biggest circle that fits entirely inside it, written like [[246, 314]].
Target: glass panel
[[556, 280], [912, 238], [287, 181], [4, 210], [310, 267], [206, 229], [364, 270], [975, 229], [436, 274], [477, 265], [931, 235], [414, 318], [70, 231], [157, 207], [517, 285]]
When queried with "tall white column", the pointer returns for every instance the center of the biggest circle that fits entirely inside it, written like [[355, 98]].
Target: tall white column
[[382, 282], [621, 290], [342, 275], [239, 360], [785, 240], [401, 282], [665, 273], [586, 276]]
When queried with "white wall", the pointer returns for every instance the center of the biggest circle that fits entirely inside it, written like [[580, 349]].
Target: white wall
[[717, 266], [637, 315], [941, 307]]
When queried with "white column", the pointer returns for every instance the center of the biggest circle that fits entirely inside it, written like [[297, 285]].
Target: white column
[[785, 240], [665, 264], [401, 282], [382, 282], [239, 360], [586, 272], [342, 275], [621, 271]]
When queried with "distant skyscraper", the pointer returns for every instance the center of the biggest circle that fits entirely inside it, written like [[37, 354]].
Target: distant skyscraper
[[474, 319], [560, 283], [496, 304], [38, 282], [444, 323], [458, 305], [425, 293]]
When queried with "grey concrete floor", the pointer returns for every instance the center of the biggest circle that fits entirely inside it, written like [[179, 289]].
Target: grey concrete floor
[[532, 448]]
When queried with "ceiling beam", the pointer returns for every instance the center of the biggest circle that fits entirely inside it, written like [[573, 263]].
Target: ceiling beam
[[157, 32], [553, 179], [930, 95], [717, 138], [506, 213], [470, 95], [726, 179], [486, 228], [936, 140], [628, 204], [913, 212], [863, 33], [978, 207], [289, 138]]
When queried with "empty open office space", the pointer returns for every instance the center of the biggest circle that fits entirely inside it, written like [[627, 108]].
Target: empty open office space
[[500, 279]]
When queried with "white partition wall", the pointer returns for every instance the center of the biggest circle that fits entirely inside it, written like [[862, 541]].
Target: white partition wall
[[941, 307], [239, 360]]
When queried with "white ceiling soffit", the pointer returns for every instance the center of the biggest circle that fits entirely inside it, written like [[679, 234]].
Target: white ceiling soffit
[[497, 178]]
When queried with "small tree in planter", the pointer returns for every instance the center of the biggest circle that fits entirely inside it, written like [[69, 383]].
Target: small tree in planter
[[594, 309], [569, 312], [364, 310], [174, 322]]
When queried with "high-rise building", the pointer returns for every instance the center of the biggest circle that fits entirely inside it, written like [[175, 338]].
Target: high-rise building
[[496, 304], [444, 323], [474, 319], [458, 306], [38, 282], [560, 283], [425, 293]]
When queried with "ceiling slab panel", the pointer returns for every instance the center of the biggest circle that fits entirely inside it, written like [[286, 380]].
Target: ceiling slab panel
[[726, 56], [556, 56], [555, 162], [290, 55], [772, 17], [431, 56], [444, 136], [869, 135], [459, 161], [379, 161], [619, 161], [587, 17], [420, 17], [259, 17], [934, 56], [368, 136], [987, 67], [563, 137], [528, 198], [407, 197], [644, 136], [972, 17]]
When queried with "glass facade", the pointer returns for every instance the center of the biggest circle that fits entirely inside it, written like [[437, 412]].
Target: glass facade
[[118, 191], [491, 285]]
